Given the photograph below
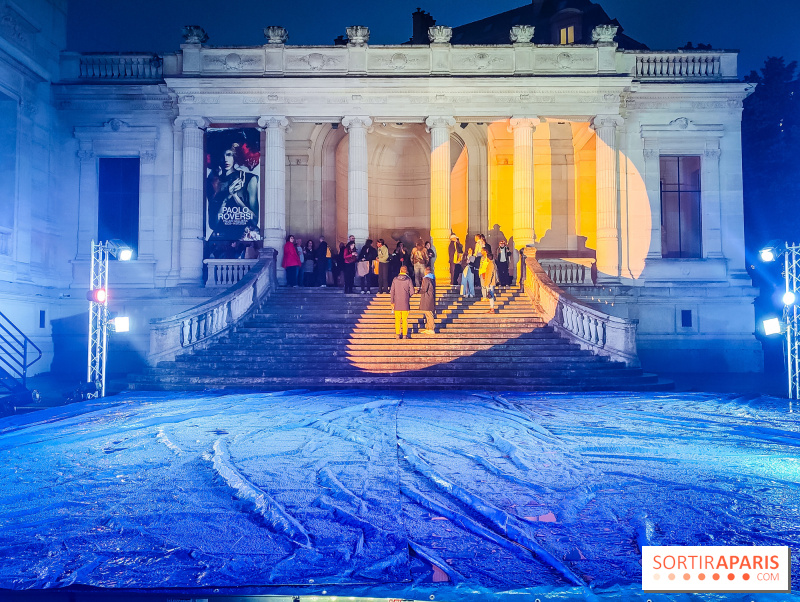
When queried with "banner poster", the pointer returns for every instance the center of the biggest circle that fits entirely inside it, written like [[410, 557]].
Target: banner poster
[[233, 207]]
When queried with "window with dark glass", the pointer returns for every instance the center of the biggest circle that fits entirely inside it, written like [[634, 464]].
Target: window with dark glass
[[118, 208], [680, 207]]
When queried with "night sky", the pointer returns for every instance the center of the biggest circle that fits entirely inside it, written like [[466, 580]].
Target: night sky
[[758, 29]]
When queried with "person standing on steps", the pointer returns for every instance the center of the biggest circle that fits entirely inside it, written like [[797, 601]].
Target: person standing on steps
[[323, 258], [419, 259], [455, 252], [467, 278], [290, 262], [309, 257], [488, 275], [383, 267], [503, 261], [427, 300], [350, 258], [400, 293], [367, 255], [431, 254]]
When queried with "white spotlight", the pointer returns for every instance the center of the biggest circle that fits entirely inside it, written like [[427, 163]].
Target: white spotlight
[[767, 255], [772, 326], [789, 298], [120, 324]]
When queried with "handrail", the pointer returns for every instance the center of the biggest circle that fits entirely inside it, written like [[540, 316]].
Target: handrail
[[14, 349], [199, 326], [592, 329]]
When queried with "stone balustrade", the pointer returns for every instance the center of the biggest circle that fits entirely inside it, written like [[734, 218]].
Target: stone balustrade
[[280, 60], [592, 329], [199, 326], [111, 67], [569, 272], [227, 272], [683, 65]]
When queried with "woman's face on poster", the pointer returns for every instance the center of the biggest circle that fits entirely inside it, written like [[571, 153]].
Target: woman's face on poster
[[228, 159]]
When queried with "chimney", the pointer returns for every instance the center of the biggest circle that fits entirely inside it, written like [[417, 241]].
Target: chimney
[[421, 21]]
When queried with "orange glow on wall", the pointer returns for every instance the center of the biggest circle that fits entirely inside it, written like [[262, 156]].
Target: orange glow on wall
[[636, 218], [501, 177]]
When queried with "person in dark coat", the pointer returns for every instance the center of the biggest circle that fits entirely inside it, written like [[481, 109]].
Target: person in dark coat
[[455, 252], [427, 300], [369, 254], [400, 293], [399, 258], [338, 264], [502, 261], [321, 271]]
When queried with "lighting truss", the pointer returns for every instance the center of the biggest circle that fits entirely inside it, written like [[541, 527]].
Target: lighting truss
[[792, 318], [98, 322]]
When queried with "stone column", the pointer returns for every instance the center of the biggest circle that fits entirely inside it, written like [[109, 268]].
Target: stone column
[[523, 229], [608, 239], [192, 217], [652, 180], [711, 242], [357, 178], [88, 202], [275, 181], [439, 128]]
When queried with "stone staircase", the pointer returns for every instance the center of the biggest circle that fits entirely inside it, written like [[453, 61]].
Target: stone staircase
[[321, 338]]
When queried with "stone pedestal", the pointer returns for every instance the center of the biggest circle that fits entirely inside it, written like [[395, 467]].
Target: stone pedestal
[[439, 128]]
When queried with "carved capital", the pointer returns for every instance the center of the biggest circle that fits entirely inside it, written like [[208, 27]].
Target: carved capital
[[85, 154], [712, 153], [356, 122], [276, 34], [521, 34], [523, 122], [194, 34], [650, 154], [148, 156], [606, 121], [186, 123], [604, 34], [357, 35], [440, 34], [273, 121], [438, 121]]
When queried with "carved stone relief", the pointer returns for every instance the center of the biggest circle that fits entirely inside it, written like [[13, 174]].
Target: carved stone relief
[[276, 34], [521, 34], [357, 35], [440, 34], [194, 34]]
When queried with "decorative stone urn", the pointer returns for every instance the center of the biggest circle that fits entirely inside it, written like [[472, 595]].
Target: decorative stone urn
[[276, 34], [521, 34], [440, 34], [357, 35], [194, 34], [604, 34]]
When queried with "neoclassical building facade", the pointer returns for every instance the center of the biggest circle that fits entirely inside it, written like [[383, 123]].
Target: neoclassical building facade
[[621, 167]]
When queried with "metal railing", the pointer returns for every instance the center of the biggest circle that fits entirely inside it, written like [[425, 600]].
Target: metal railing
[[592, 329], [199, 326], [15, 352]]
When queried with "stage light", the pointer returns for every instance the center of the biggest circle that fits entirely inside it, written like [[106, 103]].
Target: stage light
[[767, 255], [119, 249], [98, 295], [120, 324], [789, 298], [772, 326]]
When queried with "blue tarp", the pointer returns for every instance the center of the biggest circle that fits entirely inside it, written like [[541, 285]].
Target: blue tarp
[[389, 494]]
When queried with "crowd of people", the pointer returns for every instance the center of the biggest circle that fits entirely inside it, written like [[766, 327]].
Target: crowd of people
[[400, 272]]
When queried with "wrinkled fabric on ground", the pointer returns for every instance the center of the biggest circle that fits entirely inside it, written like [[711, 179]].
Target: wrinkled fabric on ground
[[388, 493]]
